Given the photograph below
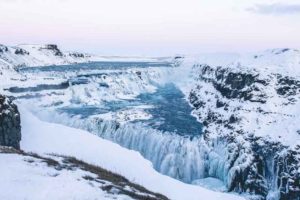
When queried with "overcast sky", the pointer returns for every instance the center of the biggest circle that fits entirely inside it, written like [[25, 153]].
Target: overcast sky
[[152, 27]]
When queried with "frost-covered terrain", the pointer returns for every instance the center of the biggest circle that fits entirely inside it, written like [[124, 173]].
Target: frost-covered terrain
[[31, 176], [226, 122]]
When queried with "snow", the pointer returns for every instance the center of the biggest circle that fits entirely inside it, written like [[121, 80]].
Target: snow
[[42, 55], [43, 137], [283, 61], [210, 183], [126, 115], [27, 178]]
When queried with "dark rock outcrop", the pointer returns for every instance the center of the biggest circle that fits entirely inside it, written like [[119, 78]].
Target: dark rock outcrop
[[10, 123], [20, 51], [3, 48], [77, 55], [54, 48]]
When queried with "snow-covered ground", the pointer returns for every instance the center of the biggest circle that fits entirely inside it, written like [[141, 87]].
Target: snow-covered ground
[[47, 138], [26, 177]]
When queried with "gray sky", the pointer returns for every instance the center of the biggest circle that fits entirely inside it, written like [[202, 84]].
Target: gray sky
[[152, 27]]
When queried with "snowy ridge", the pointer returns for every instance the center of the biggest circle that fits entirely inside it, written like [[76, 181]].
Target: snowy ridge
[[38, 55], [50, 54], [283, 61]]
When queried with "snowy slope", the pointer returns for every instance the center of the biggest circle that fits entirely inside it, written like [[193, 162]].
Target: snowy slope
[[23, 180], [38, 55], [31, 176], [42, 137]]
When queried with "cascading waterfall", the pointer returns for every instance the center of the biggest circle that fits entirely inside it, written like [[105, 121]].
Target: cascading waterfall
[[184, 158], [272, 176]]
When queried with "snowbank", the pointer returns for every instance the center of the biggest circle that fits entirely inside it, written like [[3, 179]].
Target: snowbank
[[27, 178]]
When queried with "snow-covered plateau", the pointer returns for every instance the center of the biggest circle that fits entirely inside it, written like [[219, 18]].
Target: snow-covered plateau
[[226, 126]]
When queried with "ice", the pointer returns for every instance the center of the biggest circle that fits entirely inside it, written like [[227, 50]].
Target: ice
[[211, 183]]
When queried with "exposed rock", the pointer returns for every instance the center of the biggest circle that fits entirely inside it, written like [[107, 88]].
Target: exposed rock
[[3, 48], [54, 48], [10, 124], [288, 86], [20, 51], [77, 55]]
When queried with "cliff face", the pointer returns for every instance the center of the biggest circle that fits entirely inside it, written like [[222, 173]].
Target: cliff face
[[10, 125], [253, 118]]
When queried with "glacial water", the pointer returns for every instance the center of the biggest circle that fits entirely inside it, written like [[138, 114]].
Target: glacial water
[[170, 111], [167, 105], [103, 65]]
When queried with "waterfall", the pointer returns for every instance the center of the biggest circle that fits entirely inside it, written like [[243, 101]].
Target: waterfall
[[179, 157], [183, 158]]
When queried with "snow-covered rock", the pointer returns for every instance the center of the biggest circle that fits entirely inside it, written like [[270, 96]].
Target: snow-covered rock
[[10, 125], [39, 55], [249, 106]]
